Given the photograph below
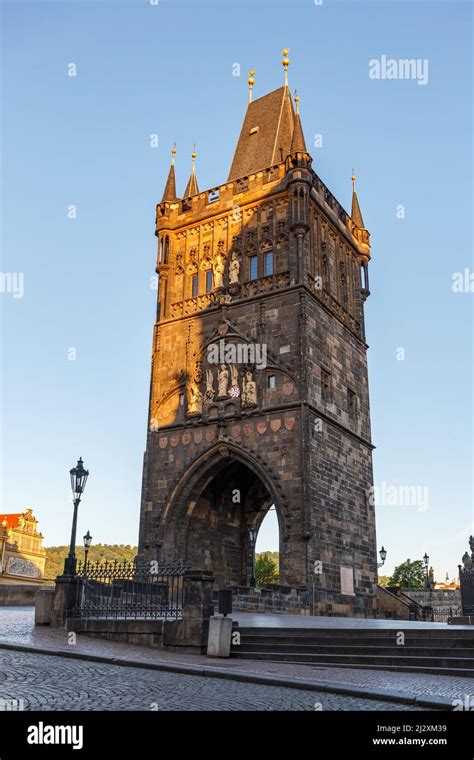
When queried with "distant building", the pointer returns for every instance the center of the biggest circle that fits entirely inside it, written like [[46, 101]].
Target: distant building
[[22, 556]]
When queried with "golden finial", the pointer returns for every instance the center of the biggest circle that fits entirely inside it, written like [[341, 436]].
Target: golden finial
[[251, 82], [297, 101], [193, 156], [285, 63], [353, 178], [173, 154]]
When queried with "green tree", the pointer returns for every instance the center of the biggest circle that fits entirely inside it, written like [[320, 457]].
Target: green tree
[[409, 574], [266, 570]]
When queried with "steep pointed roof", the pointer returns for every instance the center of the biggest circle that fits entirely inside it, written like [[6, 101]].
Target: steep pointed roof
[[298, 142], [170, 187], [266, 134], [192, 186], [356, 213]]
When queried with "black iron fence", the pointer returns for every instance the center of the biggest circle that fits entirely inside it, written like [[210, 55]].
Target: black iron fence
[[129, 590], [442, 614]]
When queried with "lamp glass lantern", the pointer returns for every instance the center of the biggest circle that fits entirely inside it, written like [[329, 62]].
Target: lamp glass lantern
[[78, 479]]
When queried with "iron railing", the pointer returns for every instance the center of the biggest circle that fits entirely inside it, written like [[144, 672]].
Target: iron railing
[[129, 590], [442, 614]]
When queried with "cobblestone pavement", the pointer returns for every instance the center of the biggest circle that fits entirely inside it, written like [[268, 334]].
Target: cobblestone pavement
[[45, 682], [17, 626]]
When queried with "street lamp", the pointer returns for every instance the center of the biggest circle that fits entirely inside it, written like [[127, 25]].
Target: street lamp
[[253, 530], [78, 483], [87, 545], [383, 557]]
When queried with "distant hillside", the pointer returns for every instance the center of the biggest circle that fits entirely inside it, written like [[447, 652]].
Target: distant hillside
[[55, 555]]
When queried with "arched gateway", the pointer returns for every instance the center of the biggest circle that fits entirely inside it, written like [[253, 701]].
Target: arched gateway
[[259, 388], [208, 516]]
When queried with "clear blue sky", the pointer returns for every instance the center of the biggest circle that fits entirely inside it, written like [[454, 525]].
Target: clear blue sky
[[85, 140]]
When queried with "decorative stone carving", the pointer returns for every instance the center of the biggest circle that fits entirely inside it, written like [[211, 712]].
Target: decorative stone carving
[[223, 381], [194, 399], [210, 392], [218, 270], [234, 269], [234, 391], [249, 390]]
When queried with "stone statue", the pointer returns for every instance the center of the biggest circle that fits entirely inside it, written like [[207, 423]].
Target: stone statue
[[234, 382], [218, 270], [249, 390], [223, 380], [467, 561], [194, 399], [234, 269], [209, 382]]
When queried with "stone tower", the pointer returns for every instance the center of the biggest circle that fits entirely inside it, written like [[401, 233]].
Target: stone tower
[[259, 392]]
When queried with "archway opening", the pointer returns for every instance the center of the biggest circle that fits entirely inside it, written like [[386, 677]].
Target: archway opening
[[226, 500]]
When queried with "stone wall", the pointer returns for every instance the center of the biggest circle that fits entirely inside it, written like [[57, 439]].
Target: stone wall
[[18, 594], [287, 601]]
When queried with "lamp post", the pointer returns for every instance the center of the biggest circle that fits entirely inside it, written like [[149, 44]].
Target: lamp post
[[87, 545], [253, 530], [78, 483], [383, 557], [426, 560]]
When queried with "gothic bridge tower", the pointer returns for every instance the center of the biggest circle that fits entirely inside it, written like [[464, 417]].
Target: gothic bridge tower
[[259, 392]]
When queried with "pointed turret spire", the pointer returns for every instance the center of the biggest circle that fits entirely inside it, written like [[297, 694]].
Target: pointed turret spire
[[356, 213], [251, 82], [285, 63], [298, 142], [170, 187], [192, 186]]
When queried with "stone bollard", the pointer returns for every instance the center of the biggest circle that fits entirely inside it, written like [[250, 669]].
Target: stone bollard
[[65, 599], [192, 630], [44, 605], [220, 635]]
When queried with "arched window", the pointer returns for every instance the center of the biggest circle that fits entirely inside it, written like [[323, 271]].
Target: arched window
[[253, 267], [269, 263], [166, 250]]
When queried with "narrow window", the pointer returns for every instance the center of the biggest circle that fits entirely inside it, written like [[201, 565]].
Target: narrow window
[[209, 281], [253, 267], [325, 386], [271, 381], [195, 285], [181, 399], [351, 404], [167, 250], [268, 263]]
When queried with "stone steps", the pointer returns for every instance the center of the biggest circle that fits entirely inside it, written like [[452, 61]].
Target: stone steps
[[448, 651]]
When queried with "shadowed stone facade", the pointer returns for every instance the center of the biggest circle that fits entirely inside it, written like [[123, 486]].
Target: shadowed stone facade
[[272, 260]]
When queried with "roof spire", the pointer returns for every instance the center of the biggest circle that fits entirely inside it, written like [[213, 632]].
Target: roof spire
[[356, 213], [251, 82], [298, 144], [285, 63], [297, 101], [170, 187], [192, 186]]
